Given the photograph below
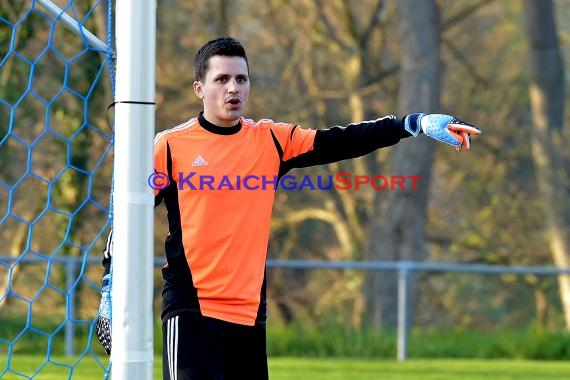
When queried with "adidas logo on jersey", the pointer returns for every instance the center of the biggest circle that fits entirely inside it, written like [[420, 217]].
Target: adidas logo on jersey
[[199, 161]]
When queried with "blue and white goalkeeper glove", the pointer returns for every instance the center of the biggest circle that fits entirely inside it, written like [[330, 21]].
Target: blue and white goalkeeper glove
[[103, 326], [444, 128]]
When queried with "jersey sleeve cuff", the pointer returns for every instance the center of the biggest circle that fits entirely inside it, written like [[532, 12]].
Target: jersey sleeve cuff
[[412, 124]]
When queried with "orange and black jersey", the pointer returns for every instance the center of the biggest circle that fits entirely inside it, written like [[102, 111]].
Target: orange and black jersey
[[218, 225]]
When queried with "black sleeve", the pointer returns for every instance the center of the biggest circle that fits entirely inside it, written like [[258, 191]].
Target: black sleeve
[[355, 140]]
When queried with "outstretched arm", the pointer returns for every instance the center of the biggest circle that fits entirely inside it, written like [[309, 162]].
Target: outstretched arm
[[357, 139], [354, 140]]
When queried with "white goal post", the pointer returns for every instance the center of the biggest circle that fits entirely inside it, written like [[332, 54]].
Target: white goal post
[[133, 199]]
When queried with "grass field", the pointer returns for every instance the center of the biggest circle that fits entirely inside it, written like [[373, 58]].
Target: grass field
[[329, 369]]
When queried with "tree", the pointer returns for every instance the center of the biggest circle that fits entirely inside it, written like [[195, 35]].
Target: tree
[[398, 233], [547, 138]]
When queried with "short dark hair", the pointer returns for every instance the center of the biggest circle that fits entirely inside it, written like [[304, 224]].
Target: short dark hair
[[226, 46]]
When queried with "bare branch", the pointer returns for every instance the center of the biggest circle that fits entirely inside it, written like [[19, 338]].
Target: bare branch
[[333, 32], [463, 14], [350, 23], [374, 21], [464, 61], [294, 218]]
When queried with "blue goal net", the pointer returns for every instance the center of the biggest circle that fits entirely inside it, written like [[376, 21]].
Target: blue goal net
[[56, 81]]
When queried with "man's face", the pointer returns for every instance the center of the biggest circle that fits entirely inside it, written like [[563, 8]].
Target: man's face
[[224, 90]]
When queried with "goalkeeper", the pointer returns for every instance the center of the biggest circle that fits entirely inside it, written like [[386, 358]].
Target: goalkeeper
[[213, 301]]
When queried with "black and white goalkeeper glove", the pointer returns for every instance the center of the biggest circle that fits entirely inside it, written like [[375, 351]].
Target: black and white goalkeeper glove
[[103, 325], [444, 128]]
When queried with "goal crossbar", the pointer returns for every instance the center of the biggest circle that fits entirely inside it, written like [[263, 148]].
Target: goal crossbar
[[73, 25]]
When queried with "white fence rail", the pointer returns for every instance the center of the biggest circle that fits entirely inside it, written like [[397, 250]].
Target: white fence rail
[[403, 268]]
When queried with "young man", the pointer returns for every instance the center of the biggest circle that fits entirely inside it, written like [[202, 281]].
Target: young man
[[214, 307]]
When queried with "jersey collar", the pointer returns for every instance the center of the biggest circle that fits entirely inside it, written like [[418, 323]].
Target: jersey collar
[[217, 129]]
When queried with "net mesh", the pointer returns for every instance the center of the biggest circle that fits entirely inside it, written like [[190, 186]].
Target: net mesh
[[55, 173]]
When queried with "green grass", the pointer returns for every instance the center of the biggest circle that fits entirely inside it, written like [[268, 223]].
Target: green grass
[[415, 369], [337, 341], [284, 368]]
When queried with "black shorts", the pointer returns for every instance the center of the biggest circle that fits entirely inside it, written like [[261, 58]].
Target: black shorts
[[198, 347]]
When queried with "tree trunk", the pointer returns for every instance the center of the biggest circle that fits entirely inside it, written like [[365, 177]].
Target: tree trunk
[[547, 103], [399, 233]]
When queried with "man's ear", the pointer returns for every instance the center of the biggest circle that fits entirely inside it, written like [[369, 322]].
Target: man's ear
[[199, 89]]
